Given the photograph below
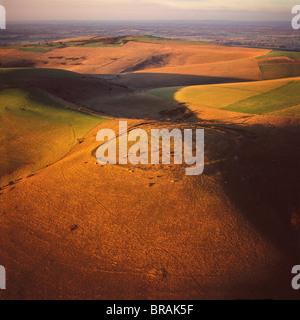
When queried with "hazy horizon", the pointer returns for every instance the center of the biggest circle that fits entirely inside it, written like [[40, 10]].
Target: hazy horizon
[[150, 20], [147, 10]]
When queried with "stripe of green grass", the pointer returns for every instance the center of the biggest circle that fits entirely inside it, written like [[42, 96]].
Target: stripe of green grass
[[286, 96]]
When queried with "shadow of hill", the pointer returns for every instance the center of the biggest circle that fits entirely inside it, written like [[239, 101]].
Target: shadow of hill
[[18, 63], [261, 175], [109, 95], [158, 80]]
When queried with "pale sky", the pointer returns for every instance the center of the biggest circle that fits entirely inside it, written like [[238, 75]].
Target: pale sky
[[238, 10]]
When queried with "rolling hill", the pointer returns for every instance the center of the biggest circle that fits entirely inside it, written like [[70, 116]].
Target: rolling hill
[[142, 62], [74, 229]]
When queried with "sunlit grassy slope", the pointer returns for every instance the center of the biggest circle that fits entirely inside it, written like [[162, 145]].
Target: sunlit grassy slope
[[35, 131], [265, 97]]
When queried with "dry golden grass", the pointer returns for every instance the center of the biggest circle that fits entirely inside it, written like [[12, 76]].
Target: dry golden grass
[[215, 97], [117, 235]]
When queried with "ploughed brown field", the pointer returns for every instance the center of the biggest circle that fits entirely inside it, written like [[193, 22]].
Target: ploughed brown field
[[73, 229]]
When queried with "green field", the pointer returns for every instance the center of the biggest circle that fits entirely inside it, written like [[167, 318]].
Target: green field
[[36, 49], [265, 97], [47, 47], [96, 42], [279, 64], [40, 47], [279, 70], [103, 42], [152, 39], [100, 44], [35, 130], [278, 54]]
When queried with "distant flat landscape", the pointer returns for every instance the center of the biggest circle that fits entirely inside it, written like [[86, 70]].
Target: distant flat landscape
[[257, 34]]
